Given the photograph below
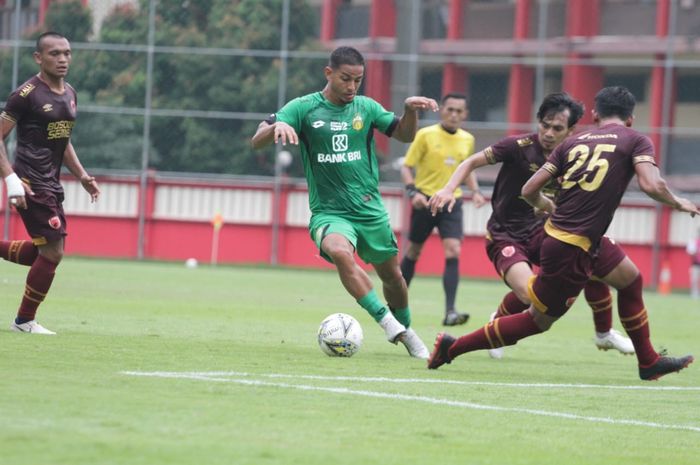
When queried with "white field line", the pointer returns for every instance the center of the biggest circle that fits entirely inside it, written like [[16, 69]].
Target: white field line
[[202, 376], [421, 380]]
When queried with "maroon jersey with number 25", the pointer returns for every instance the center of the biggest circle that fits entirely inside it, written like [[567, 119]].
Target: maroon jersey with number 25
[[594, 169]]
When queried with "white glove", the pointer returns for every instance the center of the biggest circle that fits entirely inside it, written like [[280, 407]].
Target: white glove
[[14, 186]]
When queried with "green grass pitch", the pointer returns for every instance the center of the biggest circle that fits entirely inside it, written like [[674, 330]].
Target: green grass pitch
[[158, 364]]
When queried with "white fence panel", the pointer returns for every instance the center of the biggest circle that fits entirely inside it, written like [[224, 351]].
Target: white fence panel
[[683, 228], [298, 213], [116, 199], [202, 203], [394, 205], [633, 226], [474, 219]]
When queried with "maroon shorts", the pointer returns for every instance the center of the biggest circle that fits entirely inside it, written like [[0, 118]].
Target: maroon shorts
[[608, 257], [564, 271], [506, 253], [44, 218]]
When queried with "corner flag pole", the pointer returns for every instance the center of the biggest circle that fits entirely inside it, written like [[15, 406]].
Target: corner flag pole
[[217, 222]]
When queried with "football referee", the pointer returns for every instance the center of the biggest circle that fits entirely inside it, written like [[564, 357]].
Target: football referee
[[431, 159]]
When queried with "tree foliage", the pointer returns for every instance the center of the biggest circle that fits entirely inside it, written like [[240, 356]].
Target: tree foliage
[[211, 82], [70, 18], [219, 80]]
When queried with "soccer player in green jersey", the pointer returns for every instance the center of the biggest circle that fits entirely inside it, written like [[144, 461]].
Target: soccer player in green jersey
[[336, 129]]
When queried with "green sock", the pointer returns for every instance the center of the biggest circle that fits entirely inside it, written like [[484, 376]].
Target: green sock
[[373, 305], [403, 315]]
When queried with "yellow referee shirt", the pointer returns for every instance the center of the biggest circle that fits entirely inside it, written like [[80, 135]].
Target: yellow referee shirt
[[435, 155]]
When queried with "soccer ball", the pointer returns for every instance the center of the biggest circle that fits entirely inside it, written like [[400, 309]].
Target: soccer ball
[[340, 335]]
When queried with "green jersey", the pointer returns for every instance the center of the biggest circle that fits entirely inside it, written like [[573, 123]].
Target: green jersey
[[337, 147]]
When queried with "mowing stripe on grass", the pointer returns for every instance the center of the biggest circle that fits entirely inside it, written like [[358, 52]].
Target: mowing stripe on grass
[[386, 395], [425, 380]]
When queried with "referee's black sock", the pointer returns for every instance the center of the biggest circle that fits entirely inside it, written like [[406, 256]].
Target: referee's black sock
[[450, 279], [408, 269]]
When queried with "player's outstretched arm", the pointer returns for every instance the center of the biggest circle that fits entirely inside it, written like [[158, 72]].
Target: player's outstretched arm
[[653, 185], [444, 198], [408, 123], [532, 191], [272, 133], [263, 135], [70, 159]]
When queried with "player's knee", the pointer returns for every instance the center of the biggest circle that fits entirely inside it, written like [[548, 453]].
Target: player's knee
[[522, 294], [339, 253], [52, 252], [393, 279], [452, 251], [543, 322]]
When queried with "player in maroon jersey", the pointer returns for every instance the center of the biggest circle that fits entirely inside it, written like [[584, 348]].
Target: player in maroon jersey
[[514, 229], [595, 168], [44, 110]]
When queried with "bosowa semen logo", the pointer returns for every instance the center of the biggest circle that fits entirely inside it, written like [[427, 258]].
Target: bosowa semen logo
[[340, 142]]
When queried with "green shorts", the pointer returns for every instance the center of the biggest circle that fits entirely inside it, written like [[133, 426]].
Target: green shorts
[[373, 240]]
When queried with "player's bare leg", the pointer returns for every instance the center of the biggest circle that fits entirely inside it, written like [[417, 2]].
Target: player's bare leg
[[359, 285]]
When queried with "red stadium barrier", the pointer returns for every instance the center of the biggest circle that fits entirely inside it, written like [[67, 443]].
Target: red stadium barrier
[[172, 236]]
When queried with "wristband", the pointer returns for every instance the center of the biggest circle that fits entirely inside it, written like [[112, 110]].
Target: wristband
[[411, 190], [14, 186]]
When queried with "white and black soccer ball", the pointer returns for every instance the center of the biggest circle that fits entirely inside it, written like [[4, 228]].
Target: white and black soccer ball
[[340, 335]]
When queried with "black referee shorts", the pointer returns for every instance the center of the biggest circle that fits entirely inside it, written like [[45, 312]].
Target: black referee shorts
[[449, 224]]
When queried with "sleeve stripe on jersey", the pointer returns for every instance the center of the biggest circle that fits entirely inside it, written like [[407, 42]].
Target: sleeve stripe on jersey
[[550, 168], [6, 116], [644, 159], [488, 152], [390, 130]]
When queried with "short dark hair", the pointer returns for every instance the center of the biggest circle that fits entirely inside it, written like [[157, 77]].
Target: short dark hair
[[345, 56], [40, 39], [615, 101], [454, 95], [558, 102]]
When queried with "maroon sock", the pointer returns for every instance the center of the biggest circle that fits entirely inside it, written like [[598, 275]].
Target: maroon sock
[[510, 305], [22, 252], [600, 300], [504, 331], [39, 281], [634, 319]]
